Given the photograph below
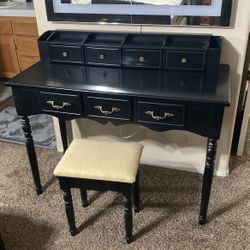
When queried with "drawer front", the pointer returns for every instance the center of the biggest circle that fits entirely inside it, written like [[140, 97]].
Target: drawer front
[[60, 103], [160, 113], [72, 54], [25, 26], [185, 60], [5, 27], [108, 108], [142, 58], [27, 46], [103, 56]]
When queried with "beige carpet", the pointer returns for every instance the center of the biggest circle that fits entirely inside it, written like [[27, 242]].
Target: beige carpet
[[168, 220]]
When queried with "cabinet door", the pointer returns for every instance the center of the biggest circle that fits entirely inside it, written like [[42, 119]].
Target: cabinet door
[[8, 58], [26, 61], [5, 26], [24, 26], [27, 46]]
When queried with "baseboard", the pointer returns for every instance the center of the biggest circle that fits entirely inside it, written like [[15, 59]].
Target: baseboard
[[189, 169]]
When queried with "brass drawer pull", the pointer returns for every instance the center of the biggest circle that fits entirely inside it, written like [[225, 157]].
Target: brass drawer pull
[[159, 118], [65, 104], [106, 112]]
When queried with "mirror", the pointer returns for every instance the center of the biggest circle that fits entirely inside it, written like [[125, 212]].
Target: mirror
[[164, 12]]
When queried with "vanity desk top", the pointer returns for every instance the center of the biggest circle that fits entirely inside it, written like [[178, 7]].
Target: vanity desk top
[[194, 87], [153, 87]]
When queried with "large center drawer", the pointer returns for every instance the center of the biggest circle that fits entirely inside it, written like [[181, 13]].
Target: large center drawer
[[160, 113], [108, 108], [60, 103]]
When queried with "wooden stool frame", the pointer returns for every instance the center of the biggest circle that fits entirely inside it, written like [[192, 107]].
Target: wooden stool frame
[[130, 191]]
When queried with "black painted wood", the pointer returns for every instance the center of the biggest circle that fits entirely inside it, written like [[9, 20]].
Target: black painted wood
[[127, 189], [207, 180], [63, 130], [198, 99], [136, 195], [175, 86], [31, 154], [84, 197], [128, 215], [68, 205]]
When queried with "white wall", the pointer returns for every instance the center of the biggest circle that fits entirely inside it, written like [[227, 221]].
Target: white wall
[[173, 149]]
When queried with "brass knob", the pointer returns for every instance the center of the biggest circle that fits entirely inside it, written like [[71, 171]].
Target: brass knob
[[142, 59], [65, 54], [102, 56], [184, 60]]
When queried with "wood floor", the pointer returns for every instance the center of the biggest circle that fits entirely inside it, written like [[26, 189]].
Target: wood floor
[[8, 103]]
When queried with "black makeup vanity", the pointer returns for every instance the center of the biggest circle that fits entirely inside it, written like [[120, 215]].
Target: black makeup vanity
[[163, 82]]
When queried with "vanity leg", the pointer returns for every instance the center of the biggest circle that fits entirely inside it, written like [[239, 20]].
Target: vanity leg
[[207, 179], [136, 195], [128, 215], [31, 154], [63, 130]]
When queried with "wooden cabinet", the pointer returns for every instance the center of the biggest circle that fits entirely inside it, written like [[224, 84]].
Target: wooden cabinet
[[9, 65], [18, 44]]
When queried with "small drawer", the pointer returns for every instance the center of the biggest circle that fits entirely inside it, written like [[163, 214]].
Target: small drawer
[[103, 56], [71, 54], [60, 103], [142, 58], [160, 113], [108, 108], [188, 60]]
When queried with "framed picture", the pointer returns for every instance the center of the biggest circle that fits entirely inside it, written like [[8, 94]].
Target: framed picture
[[165, 12]]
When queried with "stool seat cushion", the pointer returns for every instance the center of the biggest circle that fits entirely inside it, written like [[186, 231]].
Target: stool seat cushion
[[98, 160]]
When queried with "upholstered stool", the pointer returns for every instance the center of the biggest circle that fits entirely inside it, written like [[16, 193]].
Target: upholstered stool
[[97, 165]]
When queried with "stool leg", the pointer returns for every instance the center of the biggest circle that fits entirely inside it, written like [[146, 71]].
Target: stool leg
[[128, 215], [136, 196], [84, 197], [69, 210]]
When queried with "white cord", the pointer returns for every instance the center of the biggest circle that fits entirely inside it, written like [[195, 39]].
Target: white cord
[[131, 135]]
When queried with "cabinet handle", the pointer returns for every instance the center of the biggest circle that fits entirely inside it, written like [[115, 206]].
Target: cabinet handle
[[142, 59], [159, 118], [184, 60], [65, 54], [52, 103], [106, 112], [102, 56]]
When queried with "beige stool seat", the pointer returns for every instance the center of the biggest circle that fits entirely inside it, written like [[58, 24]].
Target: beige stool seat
[[98, 160], [102, 166]]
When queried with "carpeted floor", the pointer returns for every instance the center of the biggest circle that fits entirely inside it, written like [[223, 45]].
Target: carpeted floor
[[170, 201]]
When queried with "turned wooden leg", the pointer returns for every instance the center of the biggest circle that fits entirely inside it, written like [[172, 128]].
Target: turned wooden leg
[[207, 179], [128, 215], [31, 154], [136, 196], [69, 209], [84, 197], [63, 130]]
